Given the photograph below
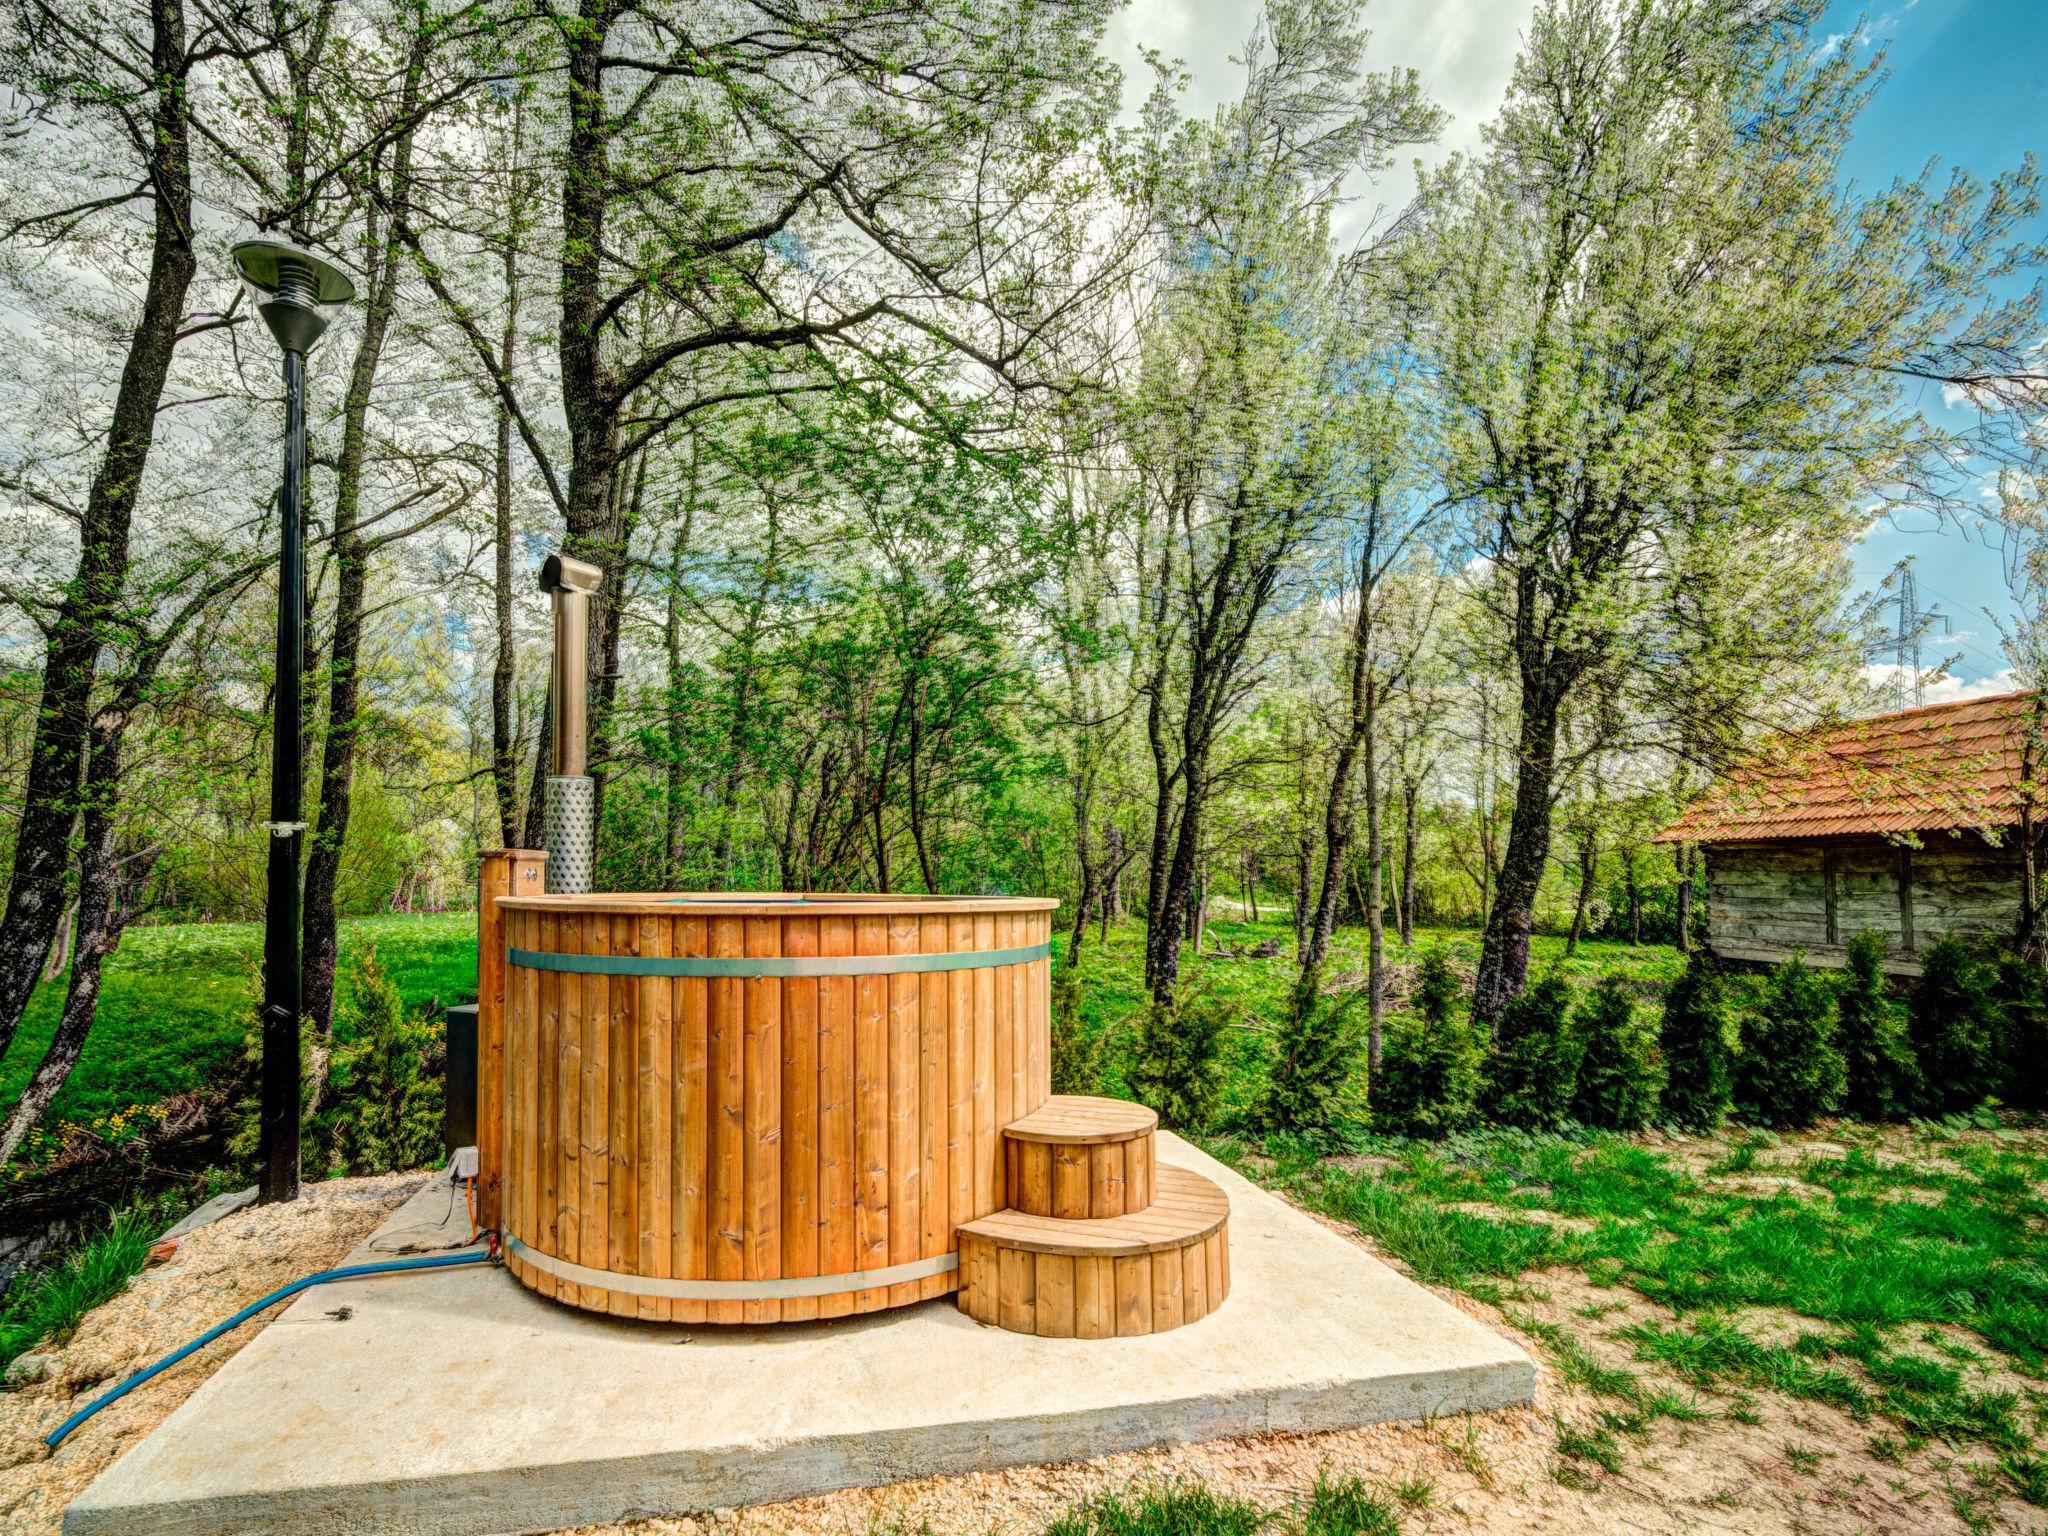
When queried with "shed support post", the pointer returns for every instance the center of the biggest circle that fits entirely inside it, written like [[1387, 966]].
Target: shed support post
[[1906, 939], [1827, 895]]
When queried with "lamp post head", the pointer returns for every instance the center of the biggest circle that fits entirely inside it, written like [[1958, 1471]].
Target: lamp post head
[[299, 290]]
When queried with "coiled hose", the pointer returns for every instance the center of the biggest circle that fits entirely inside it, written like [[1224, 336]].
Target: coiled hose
[[347, 1272]]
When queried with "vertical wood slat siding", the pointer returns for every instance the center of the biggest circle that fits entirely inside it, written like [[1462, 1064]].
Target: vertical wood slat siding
[[655, 1149], [763, 1208], [871, 1111], [594, 1161], [753, 1128], [1074, 1296], [906, 1110], [801, 1040], [547, 1050], [690, 1179], [838, 1145], [504, 872], [727, 1170]]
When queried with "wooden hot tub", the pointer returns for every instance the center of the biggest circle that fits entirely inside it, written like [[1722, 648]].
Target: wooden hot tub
[[717, 1108]]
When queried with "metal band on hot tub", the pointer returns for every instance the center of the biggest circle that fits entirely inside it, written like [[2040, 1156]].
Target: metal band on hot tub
[[733, 1290], [773, 965]]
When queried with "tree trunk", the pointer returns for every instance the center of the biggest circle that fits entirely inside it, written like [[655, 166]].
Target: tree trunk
[[1682, 857], [100, 920], [1589, 873], [60, 951], [1411, 837], [92, 599], [1375, 911], [1164, 928], [1504, 951]]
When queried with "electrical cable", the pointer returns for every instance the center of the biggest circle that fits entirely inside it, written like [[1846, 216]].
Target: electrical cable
[[347, 1272]]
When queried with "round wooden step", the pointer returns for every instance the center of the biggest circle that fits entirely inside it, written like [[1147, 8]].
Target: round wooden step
[[1080, 1158], [1079, 1119], [1118, 1276]]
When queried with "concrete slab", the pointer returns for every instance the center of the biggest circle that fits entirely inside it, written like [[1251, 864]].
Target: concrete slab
[[457, 1402]]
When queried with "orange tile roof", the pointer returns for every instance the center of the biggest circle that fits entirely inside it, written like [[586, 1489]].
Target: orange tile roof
[[1944, 767]]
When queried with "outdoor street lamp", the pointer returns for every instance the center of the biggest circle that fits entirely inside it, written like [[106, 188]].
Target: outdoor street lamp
[[299, 290]]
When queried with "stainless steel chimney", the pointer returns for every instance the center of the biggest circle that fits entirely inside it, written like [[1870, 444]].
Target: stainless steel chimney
[[569, 810]]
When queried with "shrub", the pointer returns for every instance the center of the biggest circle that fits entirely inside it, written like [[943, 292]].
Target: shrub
[[1621, 1071], [1177, 1062], [2022, 994], [1882, 1080], [1953, 1022], [1790, 1072], [1533, 1075], [1699, 1074], [1431, 1062], [1076, 1051], [1316, 1050], [384, 1105], [48, 1302]]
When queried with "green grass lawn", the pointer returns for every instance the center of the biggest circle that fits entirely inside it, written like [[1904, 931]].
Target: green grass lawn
[[178, 997], [1898, 1274]]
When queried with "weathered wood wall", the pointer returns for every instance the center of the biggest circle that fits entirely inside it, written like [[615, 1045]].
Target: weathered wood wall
[[1767, 900]]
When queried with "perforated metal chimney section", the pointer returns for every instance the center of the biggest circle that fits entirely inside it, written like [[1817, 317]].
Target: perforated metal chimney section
[[569, 815]]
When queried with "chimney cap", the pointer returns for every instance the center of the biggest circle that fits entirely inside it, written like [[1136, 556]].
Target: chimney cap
[[562, 573]]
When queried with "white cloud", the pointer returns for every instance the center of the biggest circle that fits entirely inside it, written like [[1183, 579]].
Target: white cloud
[[1464, 50], [1936, 687]]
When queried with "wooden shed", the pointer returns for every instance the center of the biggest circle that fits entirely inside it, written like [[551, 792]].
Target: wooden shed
[[1907, 823]]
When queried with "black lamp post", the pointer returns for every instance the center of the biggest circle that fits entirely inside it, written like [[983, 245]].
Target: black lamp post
[[297, 288]]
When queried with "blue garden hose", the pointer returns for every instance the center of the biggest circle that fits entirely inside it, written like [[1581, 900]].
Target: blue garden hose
[[348, 1272]]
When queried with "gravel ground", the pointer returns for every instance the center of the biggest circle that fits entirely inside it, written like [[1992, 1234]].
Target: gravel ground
[[1801, 1469], [215, 1272]]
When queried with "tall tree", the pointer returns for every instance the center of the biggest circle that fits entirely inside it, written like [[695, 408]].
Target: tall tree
[[133, 74], [1654, 308], [1237, 462]]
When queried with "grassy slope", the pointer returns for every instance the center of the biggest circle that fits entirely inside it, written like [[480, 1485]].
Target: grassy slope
[[178, 997]]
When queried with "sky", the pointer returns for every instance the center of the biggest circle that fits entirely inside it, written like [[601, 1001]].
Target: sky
[[1967, 86]]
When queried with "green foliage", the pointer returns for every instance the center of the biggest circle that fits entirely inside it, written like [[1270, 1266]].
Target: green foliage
[[1431, 1062], [48, 1303], [384, 1106], [1344, 1506], [1179, 1509], [1699, 1058], [1621, 1072], [1177, 1061], [1076, 1049], [173, 1013], [1882, 1079], [1953, 1021], [2022, 994], [1790, 1071], [1533, 1074], [1316, 1051]]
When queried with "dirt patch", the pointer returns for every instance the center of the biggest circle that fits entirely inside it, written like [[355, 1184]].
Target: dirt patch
[[215, 1272], [1532, 1215]]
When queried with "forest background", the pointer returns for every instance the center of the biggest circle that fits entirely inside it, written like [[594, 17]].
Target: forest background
[[1004, 479]]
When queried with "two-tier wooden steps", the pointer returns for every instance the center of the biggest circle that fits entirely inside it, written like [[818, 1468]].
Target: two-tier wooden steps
[[1100, 1239]]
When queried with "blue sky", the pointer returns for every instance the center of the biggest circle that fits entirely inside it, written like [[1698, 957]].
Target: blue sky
[[1969, 86]]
